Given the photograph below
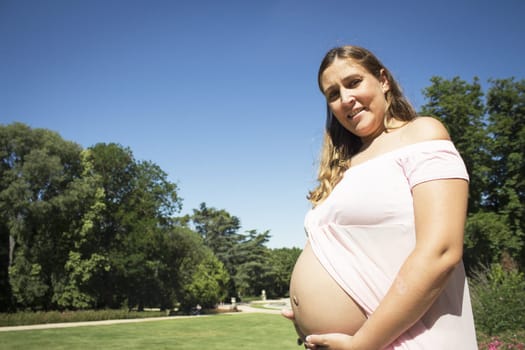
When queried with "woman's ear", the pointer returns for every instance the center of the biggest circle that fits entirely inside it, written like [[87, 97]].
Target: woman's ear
[[383, 79]]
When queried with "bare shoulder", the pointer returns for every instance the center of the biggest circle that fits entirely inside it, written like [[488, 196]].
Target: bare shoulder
[[425, 129]]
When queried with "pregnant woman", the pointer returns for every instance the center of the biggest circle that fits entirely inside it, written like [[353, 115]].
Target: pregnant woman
[[382, 268]]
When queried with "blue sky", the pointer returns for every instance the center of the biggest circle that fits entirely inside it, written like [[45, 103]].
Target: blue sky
[[222, 95]]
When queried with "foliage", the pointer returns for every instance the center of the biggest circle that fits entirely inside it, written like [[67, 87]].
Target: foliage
[[27, 283], [282, 262], [86, 228], [252, 267], [488, 237], [506, 111], [507, 340], [460, 106], [79, 271], [219, 231], [39, 178], [43, 317], [498, 299], [489, 132], [208, 284], [496, 344]]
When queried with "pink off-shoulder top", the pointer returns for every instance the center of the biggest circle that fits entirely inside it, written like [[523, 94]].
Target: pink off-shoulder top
[[363, 232]]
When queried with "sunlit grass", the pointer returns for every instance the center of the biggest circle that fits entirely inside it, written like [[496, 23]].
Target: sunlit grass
[[225, 332]]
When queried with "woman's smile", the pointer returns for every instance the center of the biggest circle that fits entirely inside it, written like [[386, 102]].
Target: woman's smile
[[355, 112]]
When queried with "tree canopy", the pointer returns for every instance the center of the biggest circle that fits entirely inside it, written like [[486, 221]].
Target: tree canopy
[[95, 228], [489, 132]]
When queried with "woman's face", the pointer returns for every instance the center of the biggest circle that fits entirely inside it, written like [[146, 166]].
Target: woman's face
[[356, 97]]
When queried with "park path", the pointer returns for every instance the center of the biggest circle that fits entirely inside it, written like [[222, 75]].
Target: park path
[[266, 307], [270, 307]]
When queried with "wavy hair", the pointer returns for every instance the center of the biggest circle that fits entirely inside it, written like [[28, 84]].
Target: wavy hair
[[340, 145]]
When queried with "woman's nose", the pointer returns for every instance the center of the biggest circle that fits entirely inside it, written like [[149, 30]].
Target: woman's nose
[[346, 97]]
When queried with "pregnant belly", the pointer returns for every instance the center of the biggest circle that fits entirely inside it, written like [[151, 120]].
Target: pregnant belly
[[319, 304]]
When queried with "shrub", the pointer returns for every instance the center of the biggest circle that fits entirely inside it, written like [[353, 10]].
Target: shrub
[[496, 343], [40, 317], [498, 299]]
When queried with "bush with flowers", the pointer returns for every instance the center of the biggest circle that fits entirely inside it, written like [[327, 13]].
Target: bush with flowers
[[498, 302], [496, 343]]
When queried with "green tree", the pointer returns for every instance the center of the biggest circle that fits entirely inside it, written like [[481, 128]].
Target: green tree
[[83, 228], [138, 204], [73, 289], [491, 140], [147, 212], [182, 251], [95, 228], [488, 238], [459, 105], [506, 115], [6, 295], [28, 283], [219, 231], [38, 168], [245, 256], [254, 268], [112, 168], [282, 263], [208, 284], [72, 292]]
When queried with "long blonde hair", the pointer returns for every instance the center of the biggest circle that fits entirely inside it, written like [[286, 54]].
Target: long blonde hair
[[339, 145]]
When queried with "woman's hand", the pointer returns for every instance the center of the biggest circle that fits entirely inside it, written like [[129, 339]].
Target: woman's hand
[[289, 315], [330, 341]]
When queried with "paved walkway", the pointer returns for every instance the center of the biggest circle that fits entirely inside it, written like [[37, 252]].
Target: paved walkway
[[81, 324], [268, 307]]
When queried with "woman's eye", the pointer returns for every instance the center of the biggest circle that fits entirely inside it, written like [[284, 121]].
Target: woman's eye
[[331, 96], [354, 83]]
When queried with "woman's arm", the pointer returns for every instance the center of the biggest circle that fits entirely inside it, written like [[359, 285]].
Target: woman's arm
[[440, 211]]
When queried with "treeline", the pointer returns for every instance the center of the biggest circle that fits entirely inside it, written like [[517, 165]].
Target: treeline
[[95, 228]]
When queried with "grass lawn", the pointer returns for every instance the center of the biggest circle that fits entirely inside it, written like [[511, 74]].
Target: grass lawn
[[224, 332]]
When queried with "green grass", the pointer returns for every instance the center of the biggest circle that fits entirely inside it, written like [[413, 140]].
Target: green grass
[[224, 332], [250, 331]]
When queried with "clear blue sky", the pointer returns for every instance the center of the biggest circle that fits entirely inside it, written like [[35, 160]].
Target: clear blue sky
[[222, 95]]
